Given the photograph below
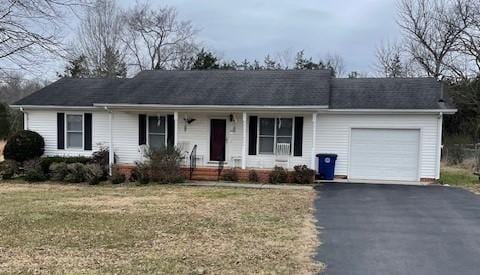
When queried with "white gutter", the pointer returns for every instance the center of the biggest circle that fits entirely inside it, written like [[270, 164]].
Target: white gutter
[[389, 111], [209, 107], [48, 107], [314, 108]]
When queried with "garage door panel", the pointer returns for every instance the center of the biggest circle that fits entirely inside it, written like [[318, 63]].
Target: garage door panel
[[388, 154]]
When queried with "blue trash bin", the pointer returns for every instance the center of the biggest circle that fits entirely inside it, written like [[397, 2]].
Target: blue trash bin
[[326, 166]]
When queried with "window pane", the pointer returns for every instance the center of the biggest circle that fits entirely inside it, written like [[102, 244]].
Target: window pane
[[156, 141], [74, 123], [155, 125], [267, 126], [284, 127], [74, 140], [266, 145]]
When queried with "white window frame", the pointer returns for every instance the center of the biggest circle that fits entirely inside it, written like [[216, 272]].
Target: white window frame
[[67, 131], [269, 136], [275, 135], [148, 129]]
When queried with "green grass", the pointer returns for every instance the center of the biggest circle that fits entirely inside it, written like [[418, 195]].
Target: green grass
[[54, 228], [458, 177]]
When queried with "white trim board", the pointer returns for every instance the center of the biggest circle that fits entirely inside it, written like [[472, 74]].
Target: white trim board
[[314, 108]]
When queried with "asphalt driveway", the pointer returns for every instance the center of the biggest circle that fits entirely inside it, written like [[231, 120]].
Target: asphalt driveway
[[391, 229]]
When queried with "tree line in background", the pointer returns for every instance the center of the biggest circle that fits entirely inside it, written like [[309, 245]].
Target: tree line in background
[[111, 41], [440, 38]]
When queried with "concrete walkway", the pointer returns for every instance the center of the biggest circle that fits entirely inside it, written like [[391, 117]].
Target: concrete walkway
[[248, 185]]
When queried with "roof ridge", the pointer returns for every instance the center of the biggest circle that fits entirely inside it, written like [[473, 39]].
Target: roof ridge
[[234, 71]]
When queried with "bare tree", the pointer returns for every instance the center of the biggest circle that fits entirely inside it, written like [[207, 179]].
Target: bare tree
[[156, 39], [470, 38], [184, 56], [29, 29], [285, 58], [432, 30], [336, 63], [391, 60], [100, 40], [15, 86]]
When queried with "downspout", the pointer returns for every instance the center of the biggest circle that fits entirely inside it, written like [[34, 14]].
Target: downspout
[[111, 154], [25, 118], [441, 103], [439, 144]]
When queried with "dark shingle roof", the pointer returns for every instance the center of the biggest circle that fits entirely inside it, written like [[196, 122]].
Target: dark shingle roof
[[269, 88], [386, 93], [73, 92], [254, 88]]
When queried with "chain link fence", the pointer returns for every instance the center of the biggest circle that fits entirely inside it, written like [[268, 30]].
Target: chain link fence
[[464, 155]]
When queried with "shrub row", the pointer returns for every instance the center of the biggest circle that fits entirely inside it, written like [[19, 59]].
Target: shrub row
[[59, 168], [301, 175], [74, 172], [46, 162]]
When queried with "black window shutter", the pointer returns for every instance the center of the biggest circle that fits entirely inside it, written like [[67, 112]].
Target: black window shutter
[[170, 130], [142, 129], [298, 136], [87, 137], [60, 130], [252, 135]]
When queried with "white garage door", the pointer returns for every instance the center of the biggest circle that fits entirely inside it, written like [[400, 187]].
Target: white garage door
[[384, 154]]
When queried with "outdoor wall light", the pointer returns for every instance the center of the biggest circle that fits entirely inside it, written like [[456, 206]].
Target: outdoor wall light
[[187, 120]]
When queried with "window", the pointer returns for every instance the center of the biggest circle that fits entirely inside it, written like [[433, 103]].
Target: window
[[273, 131], [74, 131], [284, 131], [267, 135], [157, 132]]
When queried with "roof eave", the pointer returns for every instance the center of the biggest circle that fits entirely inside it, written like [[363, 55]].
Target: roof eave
[[47, 107], [390, 111], [313, 108]]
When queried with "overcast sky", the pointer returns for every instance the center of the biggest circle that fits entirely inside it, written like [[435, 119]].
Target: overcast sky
[[253, 28]]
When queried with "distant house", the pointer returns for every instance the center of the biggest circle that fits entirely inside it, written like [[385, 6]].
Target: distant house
[[387, 129]]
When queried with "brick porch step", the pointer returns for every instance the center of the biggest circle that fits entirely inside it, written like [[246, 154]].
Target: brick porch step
[[208, 174]]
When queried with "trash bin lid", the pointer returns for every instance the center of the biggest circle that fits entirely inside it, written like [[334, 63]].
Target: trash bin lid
[[326, 155]]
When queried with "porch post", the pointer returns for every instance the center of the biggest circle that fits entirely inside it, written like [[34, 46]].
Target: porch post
[[244, 141], [314, 139], [175, 128], [111, 154]]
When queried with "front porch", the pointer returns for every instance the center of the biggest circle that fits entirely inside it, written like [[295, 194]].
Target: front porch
[[243, 139]]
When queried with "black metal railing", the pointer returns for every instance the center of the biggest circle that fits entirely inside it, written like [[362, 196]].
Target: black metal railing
[[221, 164], [193, 160]]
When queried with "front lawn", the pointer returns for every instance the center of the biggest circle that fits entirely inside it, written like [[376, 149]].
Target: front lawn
[[53, 228], [460, 177]]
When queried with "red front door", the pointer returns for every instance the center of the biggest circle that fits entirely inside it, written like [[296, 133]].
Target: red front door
[[218, 129]]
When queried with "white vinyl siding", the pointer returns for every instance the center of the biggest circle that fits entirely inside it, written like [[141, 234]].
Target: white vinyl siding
[[44, 122], [334, 133]]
